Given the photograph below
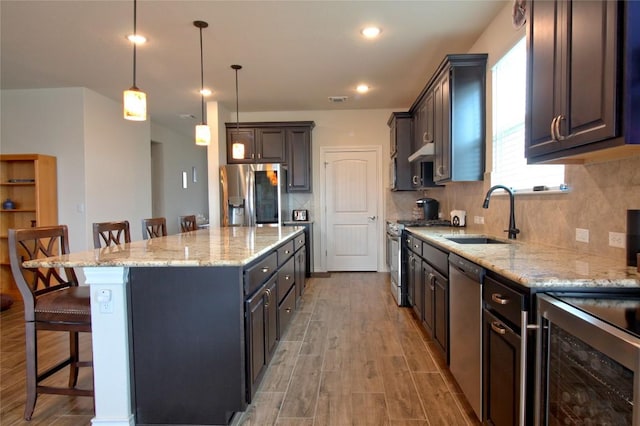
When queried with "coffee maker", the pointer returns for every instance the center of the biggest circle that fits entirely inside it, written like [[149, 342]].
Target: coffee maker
[[430, 206]]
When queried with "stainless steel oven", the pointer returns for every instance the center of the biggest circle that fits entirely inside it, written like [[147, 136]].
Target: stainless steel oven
[[394, 261], [588, 367]]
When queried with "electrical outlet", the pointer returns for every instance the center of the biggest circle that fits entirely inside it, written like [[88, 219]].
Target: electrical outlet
[[582, 235], [478, 220], [106, 307], [617, 239]]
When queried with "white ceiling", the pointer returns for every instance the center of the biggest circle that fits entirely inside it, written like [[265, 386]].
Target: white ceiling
[[295, 54]]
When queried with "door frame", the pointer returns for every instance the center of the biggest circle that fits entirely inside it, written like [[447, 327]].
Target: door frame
[[324, 151]]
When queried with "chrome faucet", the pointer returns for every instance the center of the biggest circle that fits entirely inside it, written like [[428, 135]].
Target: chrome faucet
[[513, 231]]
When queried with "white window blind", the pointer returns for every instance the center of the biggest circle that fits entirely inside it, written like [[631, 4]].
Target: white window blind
[[510, 167]]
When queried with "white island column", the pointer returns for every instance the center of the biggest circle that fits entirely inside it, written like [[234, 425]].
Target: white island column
[[110, 342]]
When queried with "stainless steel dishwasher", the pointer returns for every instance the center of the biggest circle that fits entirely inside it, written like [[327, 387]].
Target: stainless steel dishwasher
[[465, 328]]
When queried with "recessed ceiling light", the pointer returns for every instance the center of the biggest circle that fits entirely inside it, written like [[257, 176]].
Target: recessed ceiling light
[[137, 38], [205, 92], [362, 88], [371, 32]]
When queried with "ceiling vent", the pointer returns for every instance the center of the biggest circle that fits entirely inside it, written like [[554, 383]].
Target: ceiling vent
[[338, 99]]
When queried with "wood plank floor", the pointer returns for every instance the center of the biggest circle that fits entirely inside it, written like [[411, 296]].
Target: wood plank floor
[[349, 357]]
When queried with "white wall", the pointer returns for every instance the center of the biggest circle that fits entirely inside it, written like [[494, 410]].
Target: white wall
[[103, 160], [216, 156], [181, 154], [50, 121], [496, 40], [118, 165]]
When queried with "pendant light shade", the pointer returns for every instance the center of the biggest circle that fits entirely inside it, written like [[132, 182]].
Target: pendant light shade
[[237, 149], [203, 133], [135, 100]]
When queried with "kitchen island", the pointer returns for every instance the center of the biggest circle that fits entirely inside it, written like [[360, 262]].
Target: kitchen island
[[169, 321]]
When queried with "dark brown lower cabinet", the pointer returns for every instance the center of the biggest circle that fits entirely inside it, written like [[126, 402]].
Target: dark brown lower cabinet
[[436, 306], [262, 329], [501, 358], [418, 295], [441, 312], [301, 271]]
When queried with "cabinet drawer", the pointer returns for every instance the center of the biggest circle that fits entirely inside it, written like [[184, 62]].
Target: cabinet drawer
[[256, 275], [415, 245], [286, 278], [504, 300], [286, 311], [285, 251], [437, 258], [299, 241]]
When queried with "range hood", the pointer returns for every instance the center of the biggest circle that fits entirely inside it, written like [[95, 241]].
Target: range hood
[[427, 150]]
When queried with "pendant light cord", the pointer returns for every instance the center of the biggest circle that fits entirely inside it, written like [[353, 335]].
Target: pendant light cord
[[202, 79], [237, 67], [237, 107], [135, 33]]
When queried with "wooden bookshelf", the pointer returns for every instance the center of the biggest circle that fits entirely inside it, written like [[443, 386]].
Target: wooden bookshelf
[[30, 181]]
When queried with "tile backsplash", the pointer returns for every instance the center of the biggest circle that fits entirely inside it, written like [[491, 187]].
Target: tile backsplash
[[598, 198]]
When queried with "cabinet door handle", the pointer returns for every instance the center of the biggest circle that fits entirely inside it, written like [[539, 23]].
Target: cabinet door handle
[[552, 128], [287, 277], [415, 246], [432, 281], [498, 328], [500, 299], [425, 137], [559, 135], [287, 252], [288, 310], [268, 294], [414, 180], [265, 269]]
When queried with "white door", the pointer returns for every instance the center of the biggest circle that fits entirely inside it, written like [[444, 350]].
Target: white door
[[351, 210]]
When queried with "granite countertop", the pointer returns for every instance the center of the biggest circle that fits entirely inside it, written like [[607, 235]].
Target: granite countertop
[[216, 246], [535, 265]]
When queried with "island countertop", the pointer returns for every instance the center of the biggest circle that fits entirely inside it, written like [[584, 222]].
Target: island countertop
[[215, 246], [536, 265]]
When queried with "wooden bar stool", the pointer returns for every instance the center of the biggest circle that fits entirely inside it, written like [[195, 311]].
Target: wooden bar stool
[[111, 233], [53, 301], [188, 223], [154, 227]]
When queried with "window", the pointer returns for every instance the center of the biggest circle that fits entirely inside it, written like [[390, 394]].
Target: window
[[510, 167]]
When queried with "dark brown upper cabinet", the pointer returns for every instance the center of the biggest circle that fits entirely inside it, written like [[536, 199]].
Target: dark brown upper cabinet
[[582, 90], [286, 142], [450, 112]]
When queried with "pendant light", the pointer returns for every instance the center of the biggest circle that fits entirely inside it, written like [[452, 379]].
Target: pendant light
[[135, 100], [203, 133], [237, 149]]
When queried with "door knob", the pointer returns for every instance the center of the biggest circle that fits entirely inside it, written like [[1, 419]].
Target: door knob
[[372, 218]]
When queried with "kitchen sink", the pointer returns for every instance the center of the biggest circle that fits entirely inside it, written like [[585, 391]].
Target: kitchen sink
[[476, 240]]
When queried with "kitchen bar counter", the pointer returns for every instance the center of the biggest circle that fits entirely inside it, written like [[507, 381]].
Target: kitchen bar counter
[[168, 323], [232, 246], [534, 265]]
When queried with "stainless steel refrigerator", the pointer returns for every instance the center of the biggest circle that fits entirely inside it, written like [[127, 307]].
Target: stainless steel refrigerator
[[252, 195]]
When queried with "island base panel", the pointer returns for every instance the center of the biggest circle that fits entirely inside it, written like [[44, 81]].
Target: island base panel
[[187, 345]]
